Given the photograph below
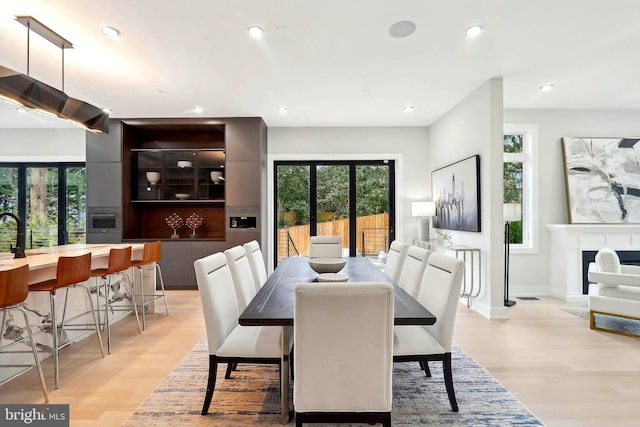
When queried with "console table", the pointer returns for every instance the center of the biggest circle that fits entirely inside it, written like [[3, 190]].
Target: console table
[[472, 259]]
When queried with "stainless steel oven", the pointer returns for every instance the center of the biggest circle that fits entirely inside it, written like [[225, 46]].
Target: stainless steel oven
[[104, 225]]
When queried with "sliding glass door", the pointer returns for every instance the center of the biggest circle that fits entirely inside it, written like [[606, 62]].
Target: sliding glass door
[[351, 199]]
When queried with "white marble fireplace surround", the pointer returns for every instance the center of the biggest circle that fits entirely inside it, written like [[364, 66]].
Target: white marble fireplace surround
[[567, 243]]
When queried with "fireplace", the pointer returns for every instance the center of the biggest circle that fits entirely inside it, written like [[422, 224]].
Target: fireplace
[[626, 257]]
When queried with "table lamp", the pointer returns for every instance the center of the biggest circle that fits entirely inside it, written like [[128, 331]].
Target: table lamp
[[510, 212], [424, 211]]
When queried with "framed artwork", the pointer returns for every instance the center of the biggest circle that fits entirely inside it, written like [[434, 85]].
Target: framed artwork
[[602, 177], [455, 189]]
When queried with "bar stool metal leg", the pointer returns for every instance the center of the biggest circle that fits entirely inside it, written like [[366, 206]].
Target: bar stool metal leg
[[164, 294], [54, 331], [43, 385]]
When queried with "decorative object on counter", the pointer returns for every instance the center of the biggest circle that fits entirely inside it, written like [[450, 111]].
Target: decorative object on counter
[[182, 196], [194, 222], [216, 177], [444, 237], [184, 164], [174, 221]]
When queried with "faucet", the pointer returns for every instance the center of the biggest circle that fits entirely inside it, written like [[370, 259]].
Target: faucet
[[20, 242]]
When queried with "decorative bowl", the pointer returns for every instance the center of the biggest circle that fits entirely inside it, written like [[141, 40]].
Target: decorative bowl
[[327, 265], [332, 277], [184, 164], [182, 196], [153, 177], [216, 177]]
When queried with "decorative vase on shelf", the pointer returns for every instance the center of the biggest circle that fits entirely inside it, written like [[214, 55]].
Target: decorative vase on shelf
[[216, 177], [153, 177], [194, 222], [174, 221]]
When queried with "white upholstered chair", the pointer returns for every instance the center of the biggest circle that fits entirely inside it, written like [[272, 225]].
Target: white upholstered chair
[[344, 354], [256, 262], [412, 270], [325, 247], [439, 293], [615, 291], [228, 341], [242, 276], [395, 259]]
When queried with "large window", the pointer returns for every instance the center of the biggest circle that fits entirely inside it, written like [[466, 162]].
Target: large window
[[519, 183], [49, 198], [351, 199]]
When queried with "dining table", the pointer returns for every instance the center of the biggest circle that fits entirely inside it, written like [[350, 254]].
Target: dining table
[[273, 305]]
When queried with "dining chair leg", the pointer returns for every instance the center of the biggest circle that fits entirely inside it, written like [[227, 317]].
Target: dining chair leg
[[227, 374], [54, 325], [291, 363], [424, 365], [43, 385], [164, 294], [96, 322], [211, 383], [448, 381]]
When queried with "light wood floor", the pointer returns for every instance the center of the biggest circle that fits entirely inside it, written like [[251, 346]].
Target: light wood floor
[[565, 373]]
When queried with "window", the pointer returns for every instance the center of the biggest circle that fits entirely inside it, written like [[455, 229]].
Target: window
[[520, 183], [51, 200]]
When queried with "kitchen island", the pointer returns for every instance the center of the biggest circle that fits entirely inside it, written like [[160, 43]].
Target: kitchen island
[[42, 264]]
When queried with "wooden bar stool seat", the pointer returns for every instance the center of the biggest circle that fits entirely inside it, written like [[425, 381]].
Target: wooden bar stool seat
[[72, 272], [150, 256], [119, 262], [14, 289]]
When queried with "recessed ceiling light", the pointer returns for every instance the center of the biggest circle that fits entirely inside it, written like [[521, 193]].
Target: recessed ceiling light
[[408, 108], [198, 110], [402, 29], [473, 31], [282, 109], [21, 110], [111, 32], [546, 87], [255, 32], [107, 110]]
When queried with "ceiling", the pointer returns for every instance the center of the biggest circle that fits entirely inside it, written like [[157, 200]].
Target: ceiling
[[330, 62]]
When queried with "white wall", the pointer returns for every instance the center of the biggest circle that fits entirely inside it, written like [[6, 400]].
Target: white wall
[[406, 145], [529, 273], [474, 126], [42, 145]]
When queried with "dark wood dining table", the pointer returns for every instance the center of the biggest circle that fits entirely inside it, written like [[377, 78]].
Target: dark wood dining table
[[273, 305]]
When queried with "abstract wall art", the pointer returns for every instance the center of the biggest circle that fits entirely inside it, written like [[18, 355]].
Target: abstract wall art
[[455, 189], [602, 177]]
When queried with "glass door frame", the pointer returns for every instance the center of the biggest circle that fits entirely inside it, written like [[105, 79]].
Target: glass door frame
[[313, 200]]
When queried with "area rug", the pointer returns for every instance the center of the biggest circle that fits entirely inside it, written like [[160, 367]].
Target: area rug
[[251, 397]]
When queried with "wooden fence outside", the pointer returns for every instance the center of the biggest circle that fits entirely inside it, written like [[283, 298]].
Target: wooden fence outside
[[373, 227]]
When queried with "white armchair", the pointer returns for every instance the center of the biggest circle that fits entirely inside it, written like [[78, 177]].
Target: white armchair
[[615, 290], [344, 353]]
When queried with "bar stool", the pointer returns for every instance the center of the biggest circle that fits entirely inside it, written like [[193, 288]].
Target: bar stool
[[71, 272], [14, 289], [119, 262], [150, 256]]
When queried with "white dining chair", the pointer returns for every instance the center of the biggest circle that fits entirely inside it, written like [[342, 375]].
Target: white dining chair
[[413, 269], [325, 247], [228, 341], [242, 277], [256, 262], [395, 260], [439, 293], [344, 353]]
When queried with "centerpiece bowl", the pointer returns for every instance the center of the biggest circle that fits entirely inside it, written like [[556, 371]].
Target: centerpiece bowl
[[327, 265]]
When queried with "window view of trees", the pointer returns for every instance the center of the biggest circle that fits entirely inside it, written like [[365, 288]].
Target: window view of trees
[[46, 191], [512, 182]]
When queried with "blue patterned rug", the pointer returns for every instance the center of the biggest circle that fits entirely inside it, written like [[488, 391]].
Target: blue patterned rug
[[251, 397]]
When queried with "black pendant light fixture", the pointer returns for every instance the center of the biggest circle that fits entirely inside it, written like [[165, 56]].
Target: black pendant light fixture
[[26, 92]]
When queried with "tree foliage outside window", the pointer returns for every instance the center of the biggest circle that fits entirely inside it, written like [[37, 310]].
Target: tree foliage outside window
[[512, 182]]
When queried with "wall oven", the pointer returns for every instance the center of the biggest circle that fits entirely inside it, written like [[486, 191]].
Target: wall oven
[[104, 225]]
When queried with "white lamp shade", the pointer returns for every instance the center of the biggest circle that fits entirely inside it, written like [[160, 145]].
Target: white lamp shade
[[511, 212], [423, 209]]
